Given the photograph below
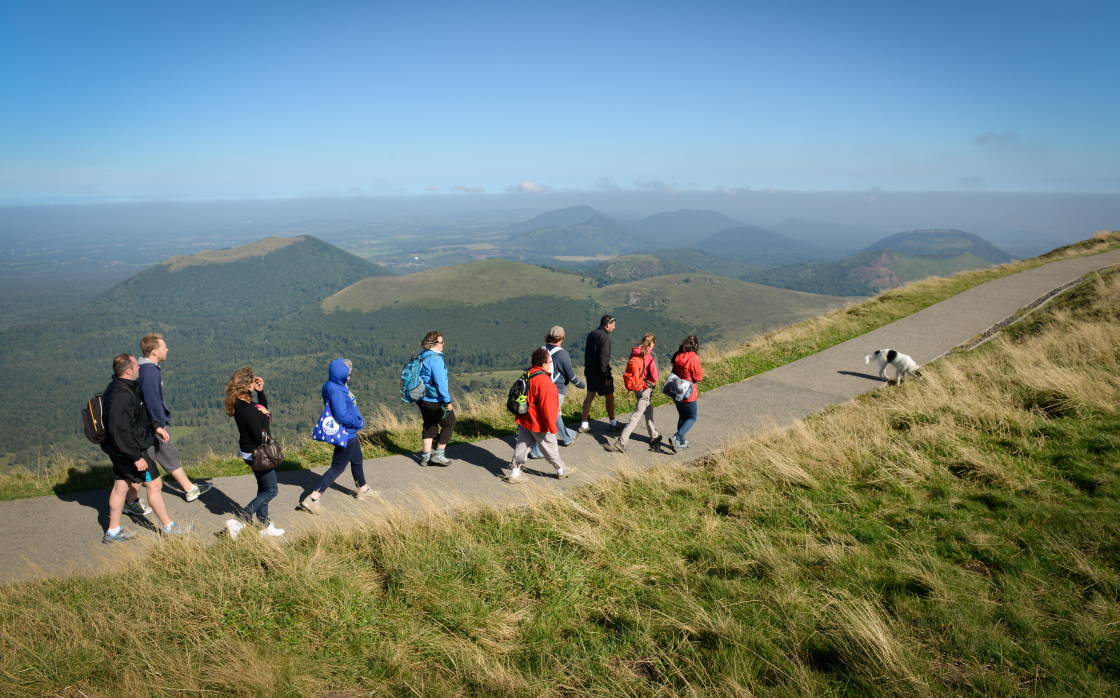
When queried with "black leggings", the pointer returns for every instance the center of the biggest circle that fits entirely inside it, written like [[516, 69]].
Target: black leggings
[[436, 423]]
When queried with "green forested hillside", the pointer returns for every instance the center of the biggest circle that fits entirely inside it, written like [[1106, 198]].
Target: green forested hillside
[[271, 277]]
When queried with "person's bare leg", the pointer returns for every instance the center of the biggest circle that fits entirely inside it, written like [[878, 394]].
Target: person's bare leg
[[610, 406], [427, 445], [116, 502], [182, 479], [133, 492], [155, 500], [587, 404]]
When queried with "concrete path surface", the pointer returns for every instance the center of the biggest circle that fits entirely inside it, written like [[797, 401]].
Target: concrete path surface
[[57, 535]]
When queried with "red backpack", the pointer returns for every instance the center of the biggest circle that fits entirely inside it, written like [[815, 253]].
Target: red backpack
[[633, 377]]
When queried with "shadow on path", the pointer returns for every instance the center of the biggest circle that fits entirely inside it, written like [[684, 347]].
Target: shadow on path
[[478, 456], [869, 376]]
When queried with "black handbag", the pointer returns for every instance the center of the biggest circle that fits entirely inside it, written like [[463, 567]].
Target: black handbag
[[268, 455]]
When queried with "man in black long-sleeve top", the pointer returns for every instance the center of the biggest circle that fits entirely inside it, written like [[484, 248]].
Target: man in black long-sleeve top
[[598, 371], [129, 439]]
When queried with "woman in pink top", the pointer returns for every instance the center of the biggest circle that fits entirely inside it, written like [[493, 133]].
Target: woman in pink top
[[686, 364]]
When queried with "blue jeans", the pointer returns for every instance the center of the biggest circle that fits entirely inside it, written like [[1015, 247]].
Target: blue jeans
[[564, 435], [266, 491], [686, 417], [350, 454]]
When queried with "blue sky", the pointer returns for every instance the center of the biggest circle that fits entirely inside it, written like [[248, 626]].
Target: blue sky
[[194, 100]]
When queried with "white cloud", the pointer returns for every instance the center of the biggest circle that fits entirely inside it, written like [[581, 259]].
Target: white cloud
[[469, 190], [530, 188], [656, 185]]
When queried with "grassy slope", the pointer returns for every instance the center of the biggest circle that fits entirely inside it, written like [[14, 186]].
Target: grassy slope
[[387, 434], [955, 536]]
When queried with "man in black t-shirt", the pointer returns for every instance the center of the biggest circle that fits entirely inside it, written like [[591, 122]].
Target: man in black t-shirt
[[598, 372], [129, 434]]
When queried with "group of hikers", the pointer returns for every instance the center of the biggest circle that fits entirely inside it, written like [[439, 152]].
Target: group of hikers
[[137, 418]]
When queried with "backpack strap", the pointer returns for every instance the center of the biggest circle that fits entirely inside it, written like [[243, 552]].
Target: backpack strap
[[552, 353]]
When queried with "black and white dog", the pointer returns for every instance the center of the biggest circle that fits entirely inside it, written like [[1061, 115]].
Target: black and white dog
[[903, 364]]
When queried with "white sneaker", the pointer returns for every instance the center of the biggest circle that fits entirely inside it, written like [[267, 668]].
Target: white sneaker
[[234, 527], [272, 531], [514, 477]]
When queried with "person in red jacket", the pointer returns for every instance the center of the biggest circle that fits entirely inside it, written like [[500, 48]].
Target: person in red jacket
[[538, 424], [686, 364], [643, 405]]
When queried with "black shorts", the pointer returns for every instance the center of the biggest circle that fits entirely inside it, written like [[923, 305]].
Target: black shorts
[[435, 422], [599, 385], [125, 469]]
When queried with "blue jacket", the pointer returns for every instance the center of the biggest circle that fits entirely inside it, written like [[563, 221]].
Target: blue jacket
[[151, 387], [344, 407], [433, 373]]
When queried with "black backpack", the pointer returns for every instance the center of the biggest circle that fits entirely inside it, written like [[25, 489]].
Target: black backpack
[[92, 419], [518, 401]]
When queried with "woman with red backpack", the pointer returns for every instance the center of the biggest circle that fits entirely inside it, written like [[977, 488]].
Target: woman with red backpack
[[640, 378]]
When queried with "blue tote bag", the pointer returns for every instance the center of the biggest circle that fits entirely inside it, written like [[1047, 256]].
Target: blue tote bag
[[329, 430]]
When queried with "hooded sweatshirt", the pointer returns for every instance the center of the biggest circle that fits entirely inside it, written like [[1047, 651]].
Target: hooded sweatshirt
[[343, 406], [650, 373]]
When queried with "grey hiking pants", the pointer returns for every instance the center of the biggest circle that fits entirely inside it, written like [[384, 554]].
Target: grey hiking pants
[[643, 408], [547, 442]]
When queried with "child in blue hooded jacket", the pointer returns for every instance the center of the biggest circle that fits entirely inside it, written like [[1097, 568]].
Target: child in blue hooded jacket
[[435, 407], [344, 409]]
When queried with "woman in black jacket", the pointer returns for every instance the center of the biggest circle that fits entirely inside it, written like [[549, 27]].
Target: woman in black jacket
[[253, 420]]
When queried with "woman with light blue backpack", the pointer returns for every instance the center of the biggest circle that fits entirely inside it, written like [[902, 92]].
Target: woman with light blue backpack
[[339, 426], [435, 407]]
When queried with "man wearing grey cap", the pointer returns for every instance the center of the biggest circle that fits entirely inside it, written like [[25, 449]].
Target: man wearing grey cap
[[562, 374]]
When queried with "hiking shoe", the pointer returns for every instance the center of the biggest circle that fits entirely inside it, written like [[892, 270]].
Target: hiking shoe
[[615, 445], [584, 430], [532, 457], [512, 479], [672, 444], [361, 496], [121, 535], [310, 505], [137, 508], [199, 489], [425, 457], [615, 427], [565, 472], [439, 459], [575, 435], [272, 531], [685, 444], [655, 444], [234, 527], [176, 530]]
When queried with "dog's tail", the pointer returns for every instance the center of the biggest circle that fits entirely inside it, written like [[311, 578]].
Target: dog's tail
[[867, 359]]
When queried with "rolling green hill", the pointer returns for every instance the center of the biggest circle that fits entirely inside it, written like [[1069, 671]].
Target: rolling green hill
[[752, 244], [865, 274], [950, 243], [734, 310], [635, 266]]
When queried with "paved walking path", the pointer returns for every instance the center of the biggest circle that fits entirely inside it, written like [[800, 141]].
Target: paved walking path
[[55, 535]]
